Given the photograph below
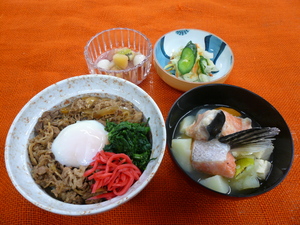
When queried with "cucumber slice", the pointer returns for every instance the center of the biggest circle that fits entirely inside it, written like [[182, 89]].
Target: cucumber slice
[[187, 58], [203, 64]]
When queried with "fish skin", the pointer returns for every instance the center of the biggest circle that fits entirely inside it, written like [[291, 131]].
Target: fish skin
[[250, 136], [213, 157]]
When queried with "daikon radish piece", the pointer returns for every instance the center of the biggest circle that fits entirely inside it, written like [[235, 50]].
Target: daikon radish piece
[[181, 149], [216, 183], [187, 121]]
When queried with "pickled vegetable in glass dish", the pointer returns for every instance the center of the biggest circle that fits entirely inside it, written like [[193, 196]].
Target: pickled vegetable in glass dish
[[192, 63], [119, 59]]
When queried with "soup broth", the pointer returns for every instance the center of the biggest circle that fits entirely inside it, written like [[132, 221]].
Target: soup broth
[[195, 174]]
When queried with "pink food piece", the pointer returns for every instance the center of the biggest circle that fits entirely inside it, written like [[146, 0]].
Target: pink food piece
[[213, 157], [235, 124], [232, 124]]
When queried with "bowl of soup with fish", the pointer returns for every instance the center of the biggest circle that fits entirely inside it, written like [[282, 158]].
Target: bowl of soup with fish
[[85, 145], [229, 140]]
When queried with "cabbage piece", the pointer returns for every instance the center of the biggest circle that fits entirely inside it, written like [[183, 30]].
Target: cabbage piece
[[261, 150], [246, 183], [242, 164], [246, 180]]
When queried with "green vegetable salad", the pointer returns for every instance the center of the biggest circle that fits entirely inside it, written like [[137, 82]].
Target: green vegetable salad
[[192, 63]]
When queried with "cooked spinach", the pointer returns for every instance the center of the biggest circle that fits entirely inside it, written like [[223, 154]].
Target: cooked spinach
[[131, 139]]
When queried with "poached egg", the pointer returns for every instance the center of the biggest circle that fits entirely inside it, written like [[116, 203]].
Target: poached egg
[[78, 143]]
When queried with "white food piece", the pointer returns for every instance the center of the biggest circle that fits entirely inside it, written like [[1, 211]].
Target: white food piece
[[262, 168], [104, 64], [247, 179], [204, 78], [187, 121], [246, 183], [138, 59], [265, 153], [211, 68], [250, 182], [258, 150], [181, 149], [249, 171], [242, 154], [78, 143], [208, 55], [216, 183]]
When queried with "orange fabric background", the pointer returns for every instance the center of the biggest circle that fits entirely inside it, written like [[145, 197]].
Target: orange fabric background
[[41, 42]]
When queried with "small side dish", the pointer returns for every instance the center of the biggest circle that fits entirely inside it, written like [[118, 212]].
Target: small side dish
[[189, 58], [119, 52], [192, 63]]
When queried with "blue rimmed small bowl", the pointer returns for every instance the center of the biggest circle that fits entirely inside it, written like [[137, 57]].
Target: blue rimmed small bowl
[[174, 40]]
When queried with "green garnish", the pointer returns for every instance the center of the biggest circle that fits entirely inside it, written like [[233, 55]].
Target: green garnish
[[187, 58], [131, 139], [126, 51], [203, 64]]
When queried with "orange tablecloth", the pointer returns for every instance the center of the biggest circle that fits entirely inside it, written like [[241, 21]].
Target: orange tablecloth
[[41, 42]]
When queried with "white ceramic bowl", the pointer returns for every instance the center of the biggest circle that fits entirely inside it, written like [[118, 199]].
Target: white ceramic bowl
[[174, 40], [16, 154], [115, 38]]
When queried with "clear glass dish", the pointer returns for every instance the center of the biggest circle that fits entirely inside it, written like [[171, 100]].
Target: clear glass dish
[[116, 38]]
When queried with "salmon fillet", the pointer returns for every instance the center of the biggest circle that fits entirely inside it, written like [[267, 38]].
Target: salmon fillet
[[198, 130], [234, 124], [213, 157]]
